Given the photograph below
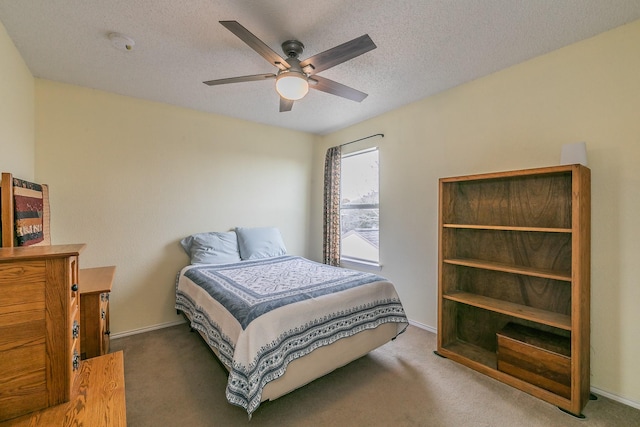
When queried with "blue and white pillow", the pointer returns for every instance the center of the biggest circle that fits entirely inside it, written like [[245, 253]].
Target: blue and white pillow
[[212, 248], [260, 242]]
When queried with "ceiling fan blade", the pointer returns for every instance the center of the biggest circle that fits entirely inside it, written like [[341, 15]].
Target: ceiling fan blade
[[285, 104], [338, 55], [252, 78], [335, 88], [256, 44]]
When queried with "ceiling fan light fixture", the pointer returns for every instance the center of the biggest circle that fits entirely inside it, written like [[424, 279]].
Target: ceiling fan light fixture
[[292, 85]]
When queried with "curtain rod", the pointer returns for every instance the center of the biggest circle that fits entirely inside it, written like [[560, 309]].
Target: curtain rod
[[366, 137]]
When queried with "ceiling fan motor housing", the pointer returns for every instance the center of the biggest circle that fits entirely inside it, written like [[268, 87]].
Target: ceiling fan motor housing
[[292, 48]]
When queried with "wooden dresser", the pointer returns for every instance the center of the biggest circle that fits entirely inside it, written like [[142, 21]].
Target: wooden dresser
[[39, 327], [95, 288], [43, 381]]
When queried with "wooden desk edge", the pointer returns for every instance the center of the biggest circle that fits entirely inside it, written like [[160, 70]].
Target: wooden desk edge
[[96, 279]]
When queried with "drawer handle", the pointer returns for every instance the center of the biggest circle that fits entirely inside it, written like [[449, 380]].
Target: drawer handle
[[75, 331], [74, 287], [76, 360]]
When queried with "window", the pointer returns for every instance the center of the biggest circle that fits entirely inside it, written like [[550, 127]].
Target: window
[[360, 207]]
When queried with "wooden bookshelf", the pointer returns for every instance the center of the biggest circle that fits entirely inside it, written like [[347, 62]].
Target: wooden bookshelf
[[514, 248]]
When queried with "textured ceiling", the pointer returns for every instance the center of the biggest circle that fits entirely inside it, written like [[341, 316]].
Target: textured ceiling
[[423, 47]]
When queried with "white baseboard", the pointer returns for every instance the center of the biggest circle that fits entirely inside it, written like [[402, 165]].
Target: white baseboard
[[147, 329], [615, 397], [423, 326]]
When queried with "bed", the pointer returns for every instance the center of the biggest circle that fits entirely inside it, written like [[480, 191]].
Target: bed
[[276, 321]]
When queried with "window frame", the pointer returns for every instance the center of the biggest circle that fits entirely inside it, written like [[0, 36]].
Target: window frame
[[347, 261]]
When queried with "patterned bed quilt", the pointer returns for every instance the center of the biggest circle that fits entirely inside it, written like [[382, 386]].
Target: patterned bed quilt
[[260, 315]]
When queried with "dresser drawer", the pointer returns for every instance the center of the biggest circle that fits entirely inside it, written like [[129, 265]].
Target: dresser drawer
[[73, 280], [22, 339], [75, 358], [104, 322], [104, 308], [74, 326], [104, 311], [74, 336]]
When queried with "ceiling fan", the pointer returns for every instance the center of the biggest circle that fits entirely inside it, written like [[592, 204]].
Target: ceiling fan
[[295, 77]]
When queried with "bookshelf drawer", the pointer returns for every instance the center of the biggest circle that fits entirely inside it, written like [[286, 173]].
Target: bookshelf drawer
[[537, 357]]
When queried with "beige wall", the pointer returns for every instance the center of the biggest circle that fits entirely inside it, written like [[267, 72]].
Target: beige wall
[[16, 111], [130, 178], [514, 119]]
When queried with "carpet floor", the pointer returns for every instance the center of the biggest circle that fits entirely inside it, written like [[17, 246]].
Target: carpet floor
[[173, 379]]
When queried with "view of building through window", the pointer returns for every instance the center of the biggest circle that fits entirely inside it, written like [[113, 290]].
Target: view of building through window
[[359, 206]]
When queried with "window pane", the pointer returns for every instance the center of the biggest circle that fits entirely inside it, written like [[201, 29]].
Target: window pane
[[359, 209]]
